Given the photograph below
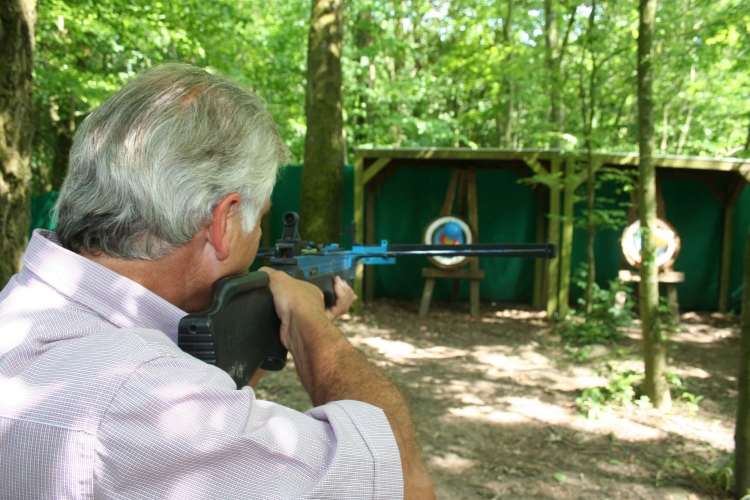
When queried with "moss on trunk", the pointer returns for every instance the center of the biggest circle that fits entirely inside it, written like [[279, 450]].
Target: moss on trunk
[[17, 21], [323, 171]]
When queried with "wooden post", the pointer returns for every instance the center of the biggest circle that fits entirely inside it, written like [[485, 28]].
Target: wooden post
[[369, 240], [471, 198], [726, 244], [424, 307], [742, 425], [450, 193], [566, 244], [553, 269], [726, 259], [359, 222], [539, 263]]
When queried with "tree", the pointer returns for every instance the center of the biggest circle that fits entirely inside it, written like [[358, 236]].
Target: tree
[[17, 22], [555, 45], [323, 170], [505, 117], [654, 345]]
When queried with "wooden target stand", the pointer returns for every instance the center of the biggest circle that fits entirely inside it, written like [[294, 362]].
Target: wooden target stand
[[464, 183], [666, 275]]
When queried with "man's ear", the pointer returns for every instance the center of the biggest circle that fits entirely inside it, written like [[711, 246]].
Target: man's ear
[[224, 216]]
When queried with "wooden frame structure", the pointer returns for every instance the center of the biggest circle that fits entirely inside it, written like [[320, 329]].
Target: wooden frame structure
[[555, 201]]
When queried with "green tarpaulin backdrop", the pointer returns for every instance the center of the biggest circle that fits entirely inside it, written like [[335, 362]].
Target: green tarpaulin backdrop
[[412, 197]]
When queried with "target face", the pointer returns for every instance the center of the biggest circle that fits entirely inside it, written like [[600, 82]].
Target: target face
[[447, 230], [667, 244]]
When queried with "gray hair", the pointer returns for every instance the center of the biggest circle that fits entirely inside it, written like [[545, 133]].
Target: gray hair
[[148, 166]]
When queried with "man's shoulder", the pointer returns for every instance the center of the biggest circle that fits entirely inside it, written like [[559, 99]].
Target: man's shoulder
[[71, 382]]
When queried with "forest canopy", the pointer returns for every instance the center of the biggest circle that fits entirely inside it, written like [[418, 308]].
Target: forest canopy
[[471, 73]]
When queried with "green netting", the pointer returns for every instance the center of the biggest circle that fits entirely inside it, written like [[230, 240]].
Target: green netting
[[407, 202], [41, 211], [412, 197]]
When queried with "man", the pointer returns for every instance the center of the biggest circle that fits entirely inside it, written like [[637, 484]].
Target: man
[[167, 182]]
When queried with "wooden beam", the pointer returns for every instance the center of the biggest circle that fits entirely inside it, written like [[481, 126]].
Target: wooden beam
[[450, 193], [533, 156], [735, 192], [566, 243], [553, 265], [382, 177], [455, 153], [534, 165], [359, 223], [581, 178], [462, 190], [374, 169], [717, 193]]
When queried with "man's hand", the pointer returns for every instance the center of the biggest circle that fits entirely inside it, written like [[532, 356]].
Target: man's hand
[[345, 297], [295, 301], [330, 369]]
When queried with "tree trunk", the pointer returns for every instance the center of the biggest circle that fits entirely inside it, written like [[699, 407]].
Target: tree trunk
[[654, 345], [505, 119], [364, 41], [590, 233], [742, 428], [323, 172], [17, 23], [588, 123], [554, 66]]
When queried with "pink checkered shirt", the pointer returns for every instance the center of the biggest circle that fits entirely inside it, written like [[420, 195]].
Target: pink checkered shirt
[[97, 400]]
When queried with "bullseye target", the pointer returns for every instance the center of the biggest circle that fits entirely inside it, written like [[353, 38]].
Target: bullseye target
[[667, 244], [448, 230]]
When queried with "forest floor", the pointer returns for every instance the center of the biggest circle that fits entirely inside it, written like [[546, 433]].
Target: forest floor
[[494, 404]]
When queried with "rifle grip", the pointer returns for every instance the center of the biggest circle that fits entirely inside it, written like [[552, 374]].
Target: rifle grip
[[325, 283]]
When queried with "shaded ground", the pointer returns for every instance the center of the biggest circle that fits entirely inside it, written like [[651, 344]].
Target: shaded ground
[[494, 404]]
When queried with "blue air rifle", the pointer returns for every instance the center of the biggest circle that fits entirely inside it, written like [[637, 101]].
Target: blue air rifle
[[239, 331]]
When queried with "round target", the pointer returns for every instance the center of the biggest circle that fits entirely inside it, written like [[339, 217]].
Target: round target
[[667, 244], [448, 230]]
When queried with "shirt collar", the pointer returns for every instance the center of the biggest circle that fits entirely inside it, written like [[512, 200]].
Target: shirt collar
[[112, 296]]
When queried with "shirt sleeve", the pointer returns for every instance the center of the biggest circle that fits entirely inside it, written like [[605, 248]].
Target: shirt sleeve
[[178, 428]]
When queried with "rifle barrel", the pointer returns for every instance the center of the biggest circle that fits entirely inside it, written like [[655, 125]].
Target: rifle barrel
[[520, 250], [530, 250]]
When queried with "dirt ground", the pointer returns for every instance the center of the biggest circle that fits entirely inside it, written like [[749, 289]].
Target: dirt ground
[[494, 404]]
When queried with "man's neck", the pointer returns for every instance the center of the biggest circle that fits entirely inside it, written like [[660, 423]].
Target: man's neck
[[176, 277]]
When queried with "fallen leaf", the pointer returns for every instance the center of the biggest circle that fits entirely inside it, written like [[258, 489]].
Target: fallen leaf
[[559, 477]]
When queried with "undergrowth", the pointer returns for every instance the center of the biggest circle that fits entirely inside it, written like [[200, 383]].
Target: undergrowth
[[612, 310], [714, 476]]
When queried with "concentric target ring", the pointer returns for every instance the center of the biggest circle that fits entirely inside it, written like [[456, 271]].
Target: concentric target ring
[[448, 230], [667, 244]]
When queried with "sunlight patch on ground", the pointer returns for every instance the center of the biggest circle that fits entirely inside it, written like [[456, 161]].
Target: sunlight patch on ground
[[533, 369], [488, 414], [711, 432], [552, 414], [689, 371], [697, 334], [399, 351], [451, 462]]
